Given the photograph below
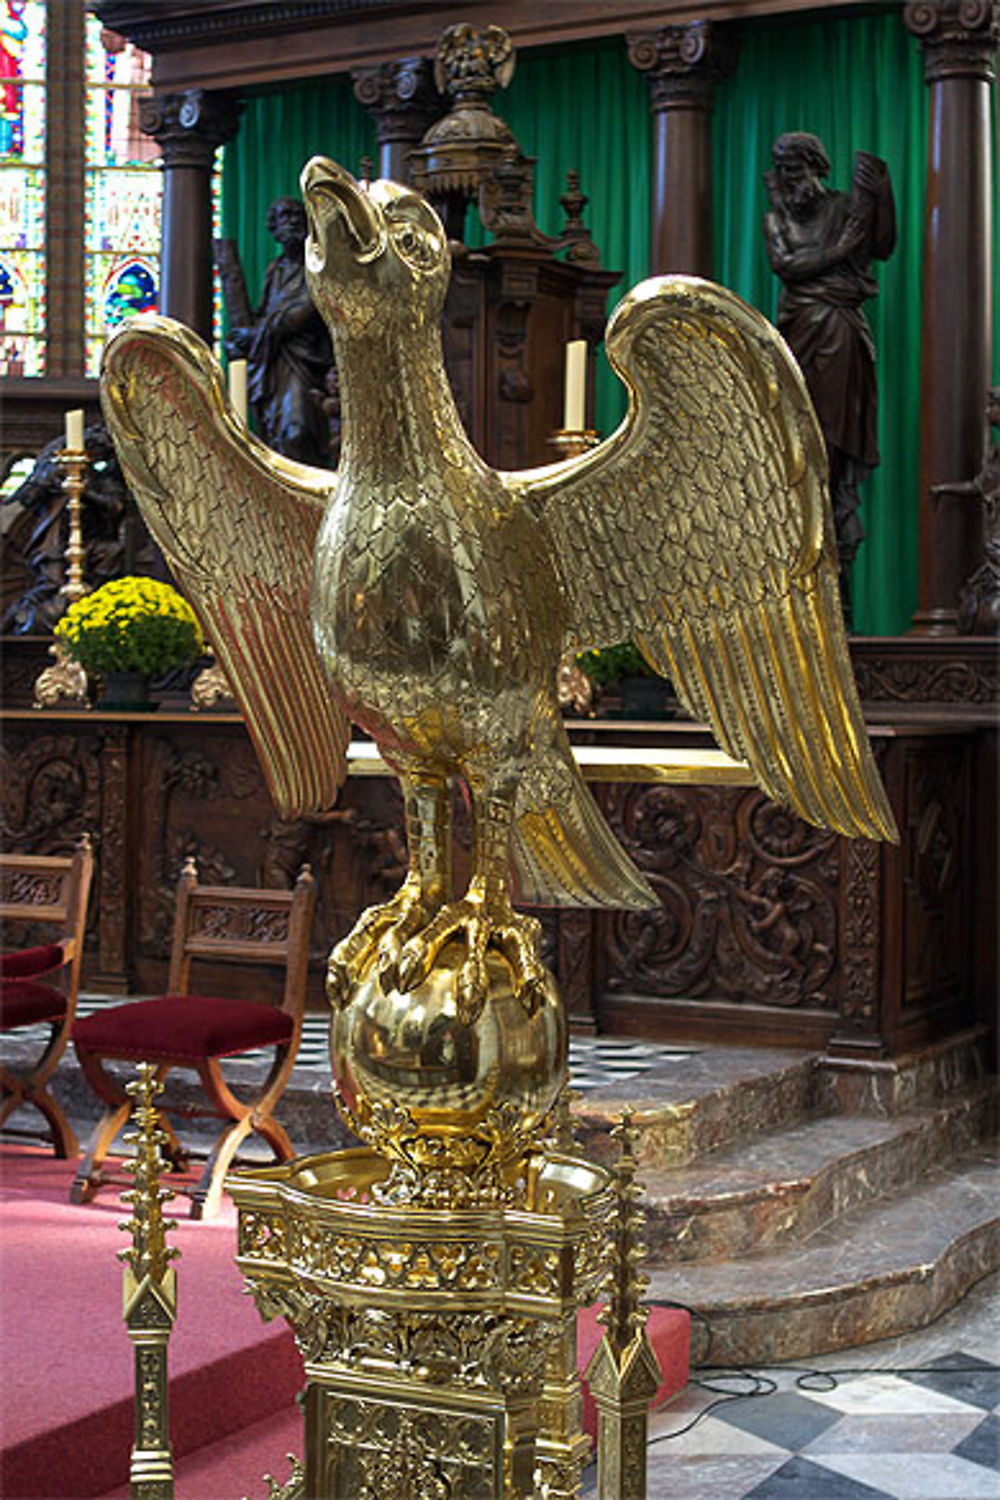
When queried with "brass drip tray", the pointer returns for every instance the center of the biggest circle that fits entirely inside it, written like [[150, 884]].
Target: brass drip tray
[[313, 1221]]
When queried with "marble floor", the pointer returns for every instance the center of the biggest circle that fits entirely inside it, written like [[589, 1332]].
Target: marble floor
[[915, 1418]]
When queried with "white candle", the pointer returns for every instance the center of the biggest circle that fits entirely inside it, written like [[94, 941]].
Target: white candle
[[238, 386], [74, 431], [575, 404]]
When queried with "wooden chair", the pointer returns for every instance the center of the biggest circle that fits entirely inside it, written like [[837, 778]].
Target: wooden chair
[[194, 1031], [47, 891]]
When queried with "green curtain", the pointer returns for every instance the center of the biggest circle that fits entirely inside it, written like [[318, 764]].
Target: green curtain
[[278, 134], [857, 83]]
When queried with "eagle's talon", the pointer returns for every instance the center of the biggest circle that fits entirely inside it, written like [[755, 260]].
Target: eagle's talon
[[338, 982], [411, 969], [388, 974], [378, 939], [472, 986]]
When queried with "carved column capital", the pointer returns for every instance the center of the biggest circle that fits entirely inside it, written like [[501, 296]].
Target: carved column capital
[[189, 127], [958, 37], [400, 97], [683, 63]]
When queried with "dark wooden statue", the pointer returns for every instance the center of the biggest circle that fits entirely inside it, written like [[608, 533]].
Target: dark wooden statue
[[115, 539], [284, 341], [821, 243]]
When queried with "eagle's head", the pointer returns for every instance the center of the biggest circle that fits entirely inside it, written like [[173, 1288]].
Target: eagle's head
[[375, 251]]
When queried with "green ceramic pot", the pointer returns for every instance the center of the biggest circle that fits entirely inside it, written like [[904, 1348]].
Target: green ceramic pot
[[126, 692]]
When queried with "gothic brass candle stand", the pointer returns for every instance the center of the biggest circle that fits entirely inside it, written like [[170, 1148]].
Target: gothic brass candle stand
[[65, 680], [150, 1294]]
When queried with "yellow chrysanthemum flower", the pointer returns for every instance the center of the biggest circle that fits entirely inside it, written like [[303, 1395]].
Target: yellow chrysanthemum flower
[[131, 625]]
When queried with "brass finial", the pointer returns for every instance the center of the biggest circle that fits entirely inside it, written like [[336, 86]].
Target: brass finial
[[624, 1315], [149, 1254]]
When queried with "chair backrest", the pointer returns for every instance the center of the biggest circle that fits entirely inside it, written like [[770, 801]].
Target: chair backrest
[[50, 890], [243, 923]]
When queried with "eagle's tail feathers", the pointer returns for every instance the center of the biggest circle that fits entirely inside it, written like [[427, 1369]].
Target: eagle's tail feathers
[[567, 855]]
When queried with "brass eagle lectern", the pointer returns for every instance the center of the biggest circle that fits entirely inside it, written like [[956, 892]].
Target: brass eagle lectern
[[432, 1275]]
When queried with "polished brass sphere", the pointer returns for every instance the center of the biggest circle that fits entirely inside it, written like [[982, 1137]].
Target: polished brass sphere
[[411, 1050]]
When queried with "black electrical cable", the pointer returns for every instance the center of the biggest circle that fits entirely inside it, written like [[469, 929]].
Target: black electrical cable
[[765, 1385]]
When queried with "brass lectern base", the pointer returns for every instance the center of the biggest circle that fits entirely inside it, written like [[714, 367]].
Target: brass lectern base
[[439, 1344]]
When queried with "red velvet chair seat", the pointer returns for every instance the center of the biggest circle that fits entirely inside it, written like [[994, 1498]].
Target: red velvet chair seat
[[30, 963], [24, 1003], [176, 1026], [181, 1029]]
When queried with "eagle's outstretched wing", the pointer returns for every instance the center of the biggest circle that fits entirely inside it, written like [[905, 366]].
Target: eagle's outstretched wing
[[702, 529], [237, 523]]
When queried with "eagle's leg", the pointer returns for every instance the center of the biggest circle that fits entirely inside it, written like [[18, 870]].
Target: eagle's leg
[[382, 930], [484, 916]]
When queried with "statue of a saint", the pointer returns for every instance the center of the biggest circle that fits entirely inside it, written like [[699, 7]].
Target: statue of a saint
[[284, 341], [821, 244], [34, 567]]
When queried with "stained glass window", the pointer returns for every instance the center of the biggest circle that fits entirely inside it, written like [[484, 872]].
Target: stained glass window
[[123, 191], [22, 187]]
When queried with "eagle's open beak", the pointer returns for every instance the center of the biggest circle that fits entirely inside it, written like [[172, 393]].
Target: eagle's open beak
[[323, 183]]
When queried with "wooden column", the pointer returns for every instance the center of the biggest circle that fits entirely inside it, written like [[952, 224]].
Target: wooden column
[[959, 45], [189, 128], [403, 102], [683, 64]]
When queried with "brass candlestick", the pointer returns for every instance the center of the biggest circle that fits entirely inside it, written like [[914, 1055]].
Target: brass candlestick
[[572, 442], [150, 1294], [65, 680]]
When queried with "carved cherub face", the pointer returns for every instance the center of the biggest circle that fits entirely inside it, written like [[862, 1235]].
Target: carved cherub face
[[377, 251]]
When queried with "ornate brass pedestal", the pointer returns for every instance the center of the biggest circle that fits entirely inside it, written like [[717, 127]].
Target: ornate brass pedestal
[[432, 1276], [429, 1335]]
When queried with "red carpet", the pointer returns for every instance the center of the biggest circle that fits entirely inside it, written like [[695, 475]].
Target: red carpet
[[66, 1362], [65, 1358]]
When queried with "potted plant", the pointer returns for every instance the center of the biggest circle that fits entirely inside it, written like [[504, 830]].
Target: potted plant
[[643, 693], [127, 632]]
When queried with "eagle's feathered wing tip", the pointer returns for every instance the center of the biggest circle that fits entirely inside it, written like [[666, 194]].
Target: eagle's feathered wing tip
[[238, 525], [775, 682]]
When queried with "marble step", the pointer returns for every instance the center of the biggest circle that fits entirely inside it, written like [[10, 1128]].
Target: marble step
[[887, 1268], [788, 1184], [718, 1097]]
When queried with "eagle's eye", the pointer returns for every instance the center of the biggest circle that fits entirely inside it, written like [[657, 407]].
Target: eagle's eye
[[416, 248], [416, 232]]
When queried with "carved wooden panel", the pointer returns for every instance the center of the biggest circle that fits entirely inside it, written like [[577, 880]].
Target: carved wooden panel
[[936, 895], [750, 899], [811, 936], [51, 789], [918, 670]]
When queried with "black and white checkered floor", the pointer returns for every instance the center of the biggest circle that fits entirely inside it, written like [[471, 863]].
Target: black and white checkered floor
[[917, 1418], [592, 1060]]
